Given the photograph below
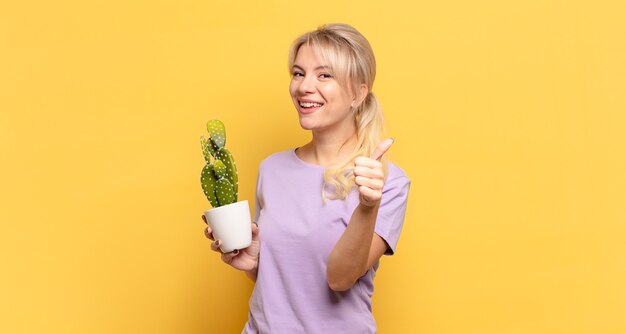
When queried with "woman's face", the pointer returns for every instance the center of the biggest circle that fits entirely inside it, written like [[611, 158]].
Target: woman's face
[[322, 103]]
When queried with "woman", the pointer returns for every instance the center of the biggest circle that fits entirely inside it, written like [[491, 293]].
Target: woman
[[327, 211]]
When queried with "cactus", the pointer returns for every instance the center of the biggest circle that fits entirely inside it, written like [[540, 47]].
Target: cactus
[[219, 179]]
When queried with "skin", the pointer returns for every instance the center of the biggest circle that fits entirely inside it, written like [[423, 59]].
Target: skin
[[333, 139]]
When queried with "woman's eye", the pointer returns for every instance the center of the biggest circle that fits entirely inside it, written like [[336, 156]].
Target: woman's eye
[[326, 75], [298, 74]]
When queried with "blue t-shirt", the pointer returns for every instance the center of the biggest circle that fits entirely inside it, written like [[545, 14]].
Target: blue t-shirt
[[297, 232]]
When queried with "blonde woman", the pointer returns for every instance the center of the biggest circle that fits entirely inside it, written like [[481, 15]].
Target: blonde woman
[[327, 211]]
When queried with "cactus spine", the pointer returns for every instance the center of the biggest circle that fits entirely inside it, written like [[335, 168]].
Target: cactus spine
[[219, 179]]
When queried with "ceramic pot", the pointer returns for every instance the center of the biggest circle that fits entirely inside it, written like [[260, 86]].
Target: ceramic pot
[[232, 225]]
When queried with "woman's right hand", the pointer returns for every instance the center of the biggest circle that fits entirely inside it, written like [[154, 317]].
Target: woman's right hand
[[246, 259]]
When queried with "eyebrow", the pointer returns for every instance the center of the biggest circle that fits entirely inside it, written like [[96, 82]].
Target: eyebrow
[[323, 67]]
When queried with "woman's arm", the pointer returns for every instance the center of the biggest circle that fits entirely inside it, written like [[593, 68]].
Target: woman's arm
[[359, 247], [356, 251]]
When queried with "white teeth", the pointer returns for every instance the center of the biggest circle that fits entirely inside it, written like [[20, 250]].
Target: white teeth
[[310, 104]]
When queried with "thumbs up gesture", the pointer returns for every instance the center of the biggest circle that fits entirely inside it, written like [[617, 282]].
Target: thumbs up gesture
[[369, 177]]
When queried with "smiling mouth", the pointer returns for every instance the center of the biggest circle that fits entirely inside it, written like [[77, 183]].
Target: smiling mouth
[[309, 105]]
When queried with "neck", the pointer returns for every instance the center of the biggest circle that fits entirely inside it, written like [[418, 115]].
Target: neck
[[328, 148]]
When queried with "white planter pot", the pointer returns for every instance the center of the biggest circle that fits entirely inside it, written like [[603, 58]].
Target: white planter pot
[[232, 225]]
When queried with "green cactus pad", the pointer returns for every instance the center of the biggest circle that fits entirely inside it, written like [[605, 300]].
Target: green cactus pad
[[225, 192], [217, 131], [212, 149], [226, 158], [209, 184], [220, 181], [205, 144], [220, 169]]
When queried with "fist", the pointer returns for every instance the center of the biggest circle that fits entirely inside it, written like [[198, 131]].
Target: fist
[[369, 176]]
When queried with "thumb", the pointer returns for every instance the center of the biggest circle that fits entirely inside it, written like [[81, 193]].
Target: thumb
[[382, 148]]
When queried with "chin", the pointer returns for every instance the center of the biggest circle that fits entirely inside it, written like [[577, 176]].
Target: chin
[[306, 125]]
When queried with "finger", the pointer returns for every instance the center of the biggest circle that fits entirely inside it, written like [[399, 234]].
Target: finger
[[208, 233], [372, 173], [255, 229], [367, 162], [204, 219], [215, 246], [382, 148], [228, 257], [373, 184]]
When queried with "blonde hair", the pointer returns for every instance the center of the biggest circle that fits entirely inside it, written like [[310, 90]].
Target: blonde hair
[[352, 61]]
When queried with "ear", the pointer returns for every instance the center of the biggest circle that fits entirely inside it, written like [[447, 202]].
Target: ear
[[357, 100]]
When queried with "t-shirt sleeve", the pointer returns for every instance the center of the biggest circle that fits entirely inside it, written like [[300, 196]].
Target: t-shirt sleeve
[[392, 210]]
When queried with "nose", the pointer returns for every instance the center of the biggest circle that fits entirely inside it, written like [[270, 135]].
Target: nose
[[307, 85]]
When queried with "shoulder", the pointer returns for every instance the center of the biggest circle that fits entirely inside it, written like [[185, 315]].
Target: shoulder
[[277, 160], [396, 175], [395, 192]]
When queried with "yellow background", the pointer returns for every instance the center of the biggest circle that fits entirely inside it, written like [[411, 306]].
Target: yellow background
[[509, 118]]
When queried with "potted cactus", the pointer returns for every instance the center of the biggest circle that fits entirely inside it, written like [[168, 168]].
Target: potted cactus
[[229, 219]]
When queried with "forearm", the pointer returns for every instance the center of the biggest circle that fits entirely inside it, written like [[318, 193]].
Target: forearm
[[349, 257]]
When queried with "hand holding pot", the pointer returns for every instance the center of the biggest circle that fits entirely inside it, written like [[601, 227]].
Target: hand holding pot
[[246, 259]]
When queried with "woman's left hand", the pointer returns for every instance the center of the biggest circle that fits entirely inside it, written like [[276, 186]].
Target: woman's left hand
[[369, 176]]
